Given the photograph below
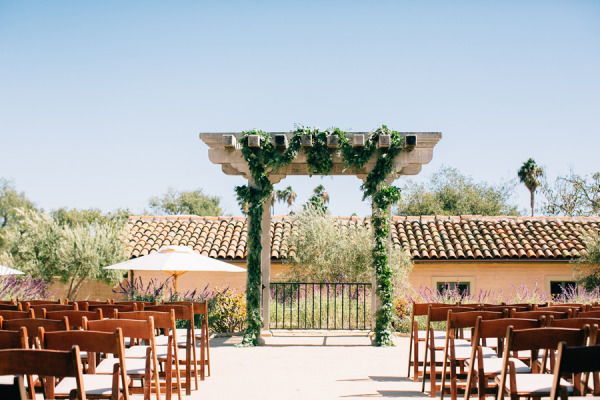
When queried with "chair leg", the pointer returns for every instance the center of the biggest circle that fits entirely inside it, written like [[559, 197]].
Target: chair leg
[[207, 347], [432, 368], [410, 349]]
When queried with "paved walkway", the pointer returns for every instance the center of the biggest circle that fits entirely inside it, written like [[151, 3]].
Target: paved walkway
[[308, 367]]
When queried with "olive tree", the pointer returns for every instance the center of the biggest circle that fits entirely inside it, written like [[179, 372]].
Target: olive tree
[[42, 247], [330, 249]]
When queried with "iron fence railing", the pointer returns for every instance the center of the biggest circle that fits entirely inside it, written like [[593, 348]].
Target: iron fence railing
[[312, 305]]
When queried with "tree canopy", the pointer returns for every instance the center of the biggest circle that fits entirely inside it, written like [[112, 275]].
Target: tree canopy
[[573, 195], [193, 202], [448, 192], [587, 267], [41, 246], [10, 202], [75, 216], [328, 250]]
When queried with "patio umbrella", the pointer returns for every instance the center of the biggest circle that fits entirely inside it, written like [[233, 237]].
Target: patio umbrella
[[9, 271], [176, 260]]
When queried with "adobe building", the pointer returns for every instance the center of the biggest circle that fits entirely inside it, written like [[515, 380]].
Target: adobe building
[[480, 253]]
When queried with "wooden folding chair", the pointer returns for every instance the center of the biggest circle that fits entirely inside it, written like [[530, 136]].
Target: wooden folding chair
[[136, 368], [433, 343], [482, 369], [184, 312], [417, 336], [47, 364], [14, 340], [574, 361], [455, 352], [165, 354], [97, 386], [201, 309], [535, 384]]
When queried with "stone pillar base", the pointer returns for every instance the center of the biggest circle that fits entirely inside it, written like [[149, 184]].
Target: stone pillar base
[[264, 334]]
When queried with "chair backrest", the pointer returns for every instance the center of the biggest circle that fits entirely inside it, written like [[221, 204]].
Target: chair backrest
[[436, 314], [182, 311], [108, 310], [575, 323], [45, 363], [14, 339], [589, 314], [201, 307], [49, 307], [575, 360], [139, 304], [496, 328], [11, 307], [9, 314], [544, 338], [468, 319], [85, 304], [41, 301], [162, 320], [75, 317], [540, 313], [33, 325], [137, 329]]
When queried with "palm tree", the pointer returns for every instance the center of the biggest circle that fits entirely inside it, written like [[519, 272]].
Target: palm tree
[[322, 194], [529, 174], [287, 195]]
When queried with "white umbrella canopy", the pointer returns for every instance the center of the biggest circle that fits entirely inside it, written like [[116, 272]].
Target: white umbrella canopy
[[176, 260], [9, 271]]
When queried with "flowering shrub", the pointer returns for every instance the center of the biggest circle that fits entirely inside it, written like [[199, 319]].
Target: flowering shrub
[[227, 310], [23, 288]]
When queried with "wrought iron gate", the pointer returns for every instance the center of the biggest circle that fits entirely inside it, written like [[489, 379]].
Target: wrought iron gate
[[312, 305]]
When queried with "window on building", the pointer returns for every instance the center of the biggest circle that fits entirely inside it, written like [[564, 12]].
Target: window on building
[[463, 287], [556, 287]]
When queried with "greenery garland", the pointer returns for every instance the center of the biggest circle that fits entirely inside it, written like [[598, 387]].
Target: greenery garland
[[266, 159]]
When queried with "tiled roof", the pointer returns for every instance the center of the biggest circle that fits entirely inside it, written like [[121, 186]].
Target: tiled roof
[[425, 238]]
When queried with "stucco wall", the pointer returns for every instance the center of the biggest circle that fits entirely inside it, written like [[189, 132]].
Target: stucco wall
[[494, 276]]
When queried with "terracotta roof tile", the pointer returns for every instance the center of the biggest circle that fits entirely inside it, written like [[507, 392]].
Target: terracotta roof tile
[[426, 237]]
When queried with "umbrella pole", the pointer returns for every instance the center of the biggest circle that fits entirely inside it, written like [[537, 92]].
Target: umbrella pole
[[175, 276]]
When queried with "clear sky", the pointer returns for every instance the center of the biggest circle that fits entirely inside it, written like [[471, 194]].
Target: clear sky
[[101, 102]]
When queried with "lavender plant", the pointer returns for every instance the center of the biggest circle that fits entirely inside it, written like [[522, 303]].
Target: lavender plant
[[23, 288], [155, 290], [577, 294]]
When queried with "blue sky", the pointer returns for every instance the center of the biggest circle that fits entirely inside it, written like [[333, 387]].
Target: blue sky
[[101, 102]]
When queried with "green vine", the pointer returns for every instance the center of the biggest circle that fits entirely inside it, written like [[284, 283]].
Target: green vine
[[266, 159]]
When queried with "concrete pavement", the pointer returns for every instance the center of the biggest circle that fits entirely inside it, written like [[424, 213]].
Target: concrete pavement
[[308, 366]]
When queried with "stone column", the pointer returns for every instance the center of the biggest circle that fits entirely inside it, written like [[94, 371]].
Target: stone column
[[265, 266]]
